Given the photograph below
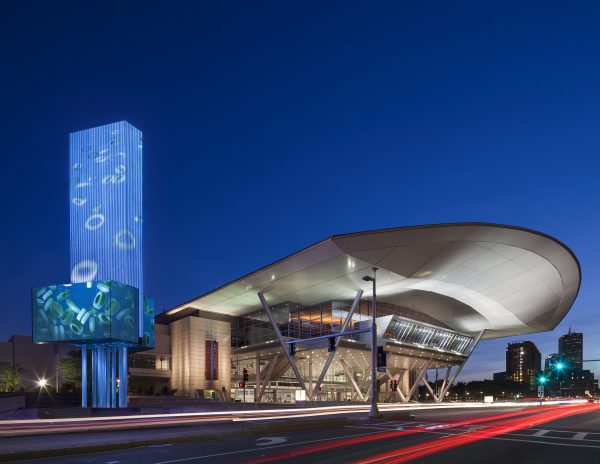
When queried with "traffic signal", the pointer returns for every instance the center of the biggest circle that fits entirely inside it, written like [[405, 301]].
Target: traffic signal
[[331, 344], [292, 349], [381, 357], [242, 385], [395, 385], [542, 380], [245, 375]]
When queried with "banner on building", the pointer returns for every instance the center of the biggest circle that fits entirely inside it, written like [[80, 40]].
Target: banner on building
[[212, 360]]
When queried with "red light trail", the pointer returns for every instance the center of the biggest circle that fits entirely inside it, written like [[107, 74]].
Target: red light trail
[[391, 434], [409, 453]]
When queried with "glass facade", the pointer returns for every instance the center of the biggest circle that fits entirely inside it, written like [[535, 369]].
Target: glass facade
[[150, 361], [296, 321], [411, 333], [256, 348]]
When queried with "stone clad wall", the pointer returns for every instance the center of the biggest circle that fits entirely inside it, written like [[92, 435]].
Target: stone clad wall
[[188, 339]]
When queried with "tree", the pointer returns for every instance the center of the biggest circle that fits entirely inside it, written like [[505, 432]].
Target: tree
[[10, 376], [70, 368]]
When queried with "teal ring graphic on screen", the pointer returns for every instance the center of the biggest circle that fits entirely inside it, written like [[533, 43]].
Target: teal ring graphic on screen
[[88, 311]]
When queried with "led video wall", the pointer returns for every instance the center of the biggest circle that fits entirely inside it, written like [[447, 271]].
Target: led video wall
[[148, 323], [101, 311]]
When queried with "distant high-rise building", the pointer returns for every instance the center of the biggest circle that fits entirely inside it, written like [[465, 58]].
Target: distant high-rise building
[[570, 349], [523, 362], [500, 376], [551, 361]]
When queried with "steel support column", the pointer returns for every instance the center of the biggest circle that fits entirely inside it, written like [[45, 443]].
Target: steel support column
[[399, 391], [267, 380], [415, 386], [84, 376], [428, 387], [351, 378], [449, 385], [113, 377], [444, 383], [267, 309], [310, 376], [122, 376], [257, 389], [338, 340], [94, 377]]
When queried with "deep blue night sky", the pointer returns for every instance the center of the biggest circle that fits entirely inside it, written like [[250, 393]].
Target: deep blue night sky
[[271, 125]]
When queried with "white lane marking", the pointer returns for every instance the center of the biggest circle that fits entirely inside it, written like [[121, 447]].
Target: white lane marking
[[544, 442], [162, 445], [268, 447], [580, 435], [374, 427], [515, 434], [540, 433], [113, 462], [265, 441]]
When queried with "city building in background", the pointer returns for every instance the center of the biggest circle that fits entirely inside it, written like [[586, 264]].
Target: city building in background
[[551, 361], [570, 349], [564, 370], [523, 363], [499, 376]]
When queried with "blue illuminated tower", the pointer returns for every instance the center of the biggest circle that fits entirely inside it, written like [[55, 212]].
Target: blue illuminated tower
[[106, 228], [106, 205], [103, 309]]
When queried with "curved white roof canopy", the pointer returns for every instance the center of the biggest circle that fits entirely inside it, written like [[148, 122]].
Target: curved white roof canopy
[[469, 276]]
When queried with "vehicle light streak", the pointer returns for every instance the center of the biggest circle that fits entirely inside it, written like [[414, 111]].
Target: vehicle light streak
[[409, 453], [46, 426], [381, 436]]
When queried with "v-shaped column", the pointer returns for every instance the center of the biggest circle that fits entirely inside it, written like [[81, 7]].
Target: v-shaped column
[[337, 341], [267, 309]]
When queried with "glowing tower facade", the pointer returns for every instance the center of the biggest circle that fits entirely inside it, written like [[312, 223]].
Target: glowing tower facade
[[103, 309], [106, 206]]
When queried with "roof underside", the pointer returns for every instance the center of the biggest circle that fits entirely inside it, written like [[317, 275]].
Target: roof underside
[[471, 277]]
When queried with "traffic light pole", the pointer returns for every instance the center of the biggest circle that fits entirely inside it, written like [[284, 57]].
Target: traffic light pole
[[374, 412]]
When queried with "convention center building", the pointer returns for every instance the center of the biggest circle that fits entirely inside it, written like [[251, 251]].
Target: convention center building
[[440, 290]]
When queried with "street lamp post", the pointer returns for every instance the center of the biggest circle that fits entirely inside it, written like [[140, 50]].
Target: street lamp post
[[374, 411], [559, 367]]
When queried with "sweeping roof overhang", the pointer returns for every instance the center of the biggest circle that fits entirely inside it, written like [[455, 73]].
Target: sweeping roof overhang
[[469, 276]]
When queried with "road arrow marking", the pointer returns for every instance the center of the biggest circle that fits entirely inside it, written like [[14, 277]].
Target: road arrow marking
[[264, 441]]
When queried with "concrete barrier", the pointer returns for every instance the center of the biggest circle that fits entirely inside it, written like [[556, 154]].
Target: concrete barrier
[[10, 403]]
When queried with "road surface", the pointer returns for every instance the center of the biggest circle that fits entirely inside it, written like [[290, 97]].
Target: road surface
[[550, 434]]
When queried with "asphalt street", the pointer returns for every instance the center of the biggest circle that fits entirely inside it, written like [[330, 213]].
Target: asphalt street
[[560, 434]]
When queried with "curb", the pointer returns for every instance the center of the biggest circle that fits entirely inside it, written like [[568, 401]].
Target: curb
[[253, 429]]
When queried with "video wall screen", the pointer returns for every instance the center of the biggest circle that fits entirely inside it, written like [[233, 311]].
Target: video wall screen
[[148, 323], [88, 311]]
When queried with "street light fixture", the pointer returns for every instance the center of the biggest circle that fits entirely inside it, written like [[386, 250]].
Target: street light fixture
[[374, 412], [42, 383]]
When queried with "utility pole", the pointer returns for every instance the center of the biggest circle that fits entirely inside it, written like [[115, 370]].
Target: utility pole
[[374, 411]]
